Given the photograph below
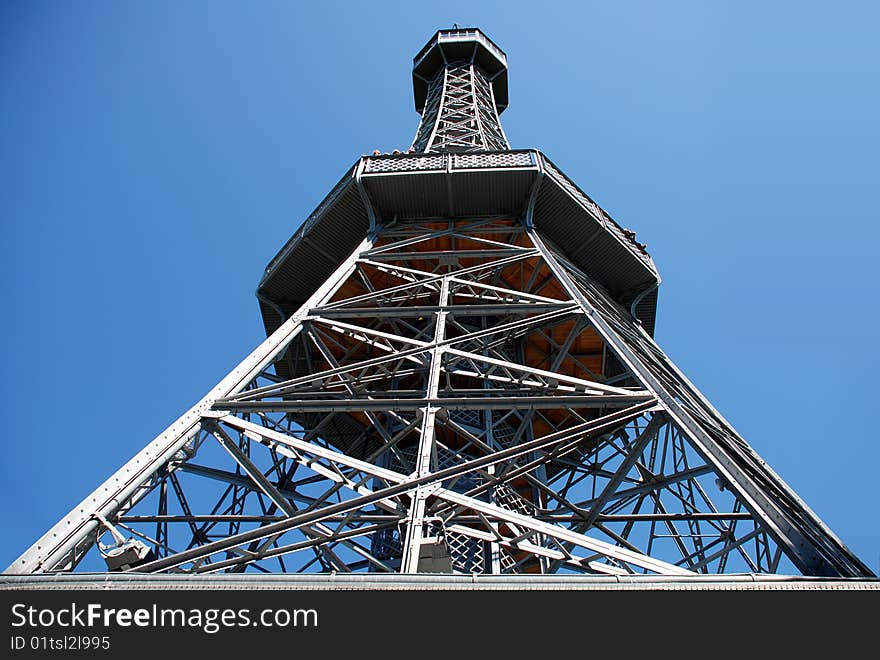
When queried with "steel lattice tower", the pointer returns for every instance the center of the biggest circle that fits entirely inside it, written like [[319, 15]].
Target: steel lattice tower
[[459, 376]]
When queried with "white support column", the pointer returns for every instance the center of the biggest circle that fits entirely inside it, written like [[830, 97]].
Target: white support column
[[415, 528]]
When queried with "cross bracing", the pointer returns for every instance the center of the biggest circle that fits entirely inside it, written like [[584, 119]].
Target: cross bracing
[[457, 390], [460, 113]]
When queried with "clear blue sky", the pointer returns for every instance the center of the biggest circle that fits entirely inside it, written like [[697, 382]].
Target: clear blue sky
[[154, 157]]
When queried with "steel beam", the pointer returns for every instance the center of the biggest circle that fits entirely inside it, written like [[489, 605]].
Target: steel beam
[[65, 543], [799, 546]]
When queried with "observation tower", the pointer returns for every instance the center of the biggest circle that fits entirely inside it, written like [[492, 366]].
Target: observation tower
[[459, 377]]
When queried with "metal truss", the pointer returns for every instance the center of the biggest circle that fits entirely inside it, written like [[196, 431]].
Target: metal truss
[[460, 113], [456, 398]]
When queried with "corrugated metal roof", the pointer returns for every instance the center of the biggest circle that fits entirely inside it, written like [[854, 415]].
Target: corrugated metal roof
[[627, 240]]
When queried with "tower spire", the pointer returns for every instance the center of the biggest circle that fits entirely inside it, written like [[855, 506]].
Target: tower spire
[[460, 89]]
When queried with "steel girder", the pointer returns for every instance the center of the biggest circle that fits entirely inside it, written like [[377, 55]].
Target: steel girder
[[457, 388]]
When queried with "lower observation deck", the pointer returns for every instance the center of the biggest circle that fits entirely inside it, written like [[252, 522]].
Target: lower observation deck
[[425, 582], [392, 188]]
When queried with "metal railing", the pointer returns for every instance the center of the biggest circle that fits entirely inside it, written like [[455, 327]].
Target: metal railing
[[451, 161], [460, 35]]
